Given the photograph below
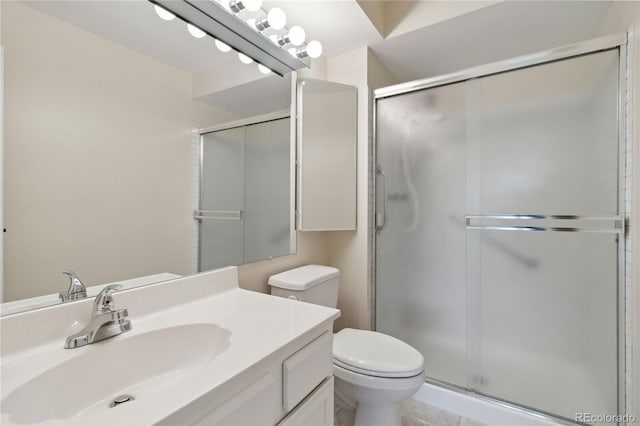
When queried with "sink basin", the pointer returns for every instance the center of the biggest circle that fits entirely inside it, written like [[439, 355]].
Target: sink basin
[[139, 365]]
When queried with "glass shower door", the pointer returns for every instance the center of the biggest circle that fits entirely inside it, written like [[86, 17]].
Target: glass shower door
[[221, 231], [543, 224], [420, 241], [498, 226], [267, 219]]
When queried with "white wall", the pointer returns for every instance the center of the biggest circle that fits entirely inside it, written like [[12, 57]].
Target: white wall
[[97, 157]]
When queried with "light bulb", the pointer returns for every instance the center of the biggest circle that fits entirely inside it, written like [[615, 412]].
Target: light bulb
[[276, 18], [296, 35], [244, 58], [164, 13], [314, 49], [222, 46], [195, 31], [252, 5], [263, 69]]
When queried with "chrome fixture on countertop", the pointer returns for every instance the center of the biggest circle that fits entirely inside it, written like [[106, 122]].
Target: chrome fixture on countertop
[[105, 322]]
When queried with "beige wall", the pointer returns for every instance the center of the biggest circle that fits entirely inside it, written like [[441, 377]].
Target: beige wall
[[349, 250], [311, 249], [97, 157]]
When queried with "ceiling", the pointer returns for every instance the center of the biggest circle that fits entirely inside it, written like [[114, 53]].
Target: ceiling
[[470, 35], [501, 31]]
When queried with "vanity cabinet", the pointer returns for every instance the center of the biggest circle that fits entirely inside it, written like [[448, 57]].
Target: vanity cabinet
[[315, 410], [326, 166], [295, 389]]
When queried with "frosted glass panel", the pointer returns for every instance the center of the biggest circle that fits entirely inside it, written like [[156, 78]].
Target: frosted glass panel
[[222, 190], [245, 191], [268, 191], [420, 250], [545, 139], [548, 320], [513, 307]]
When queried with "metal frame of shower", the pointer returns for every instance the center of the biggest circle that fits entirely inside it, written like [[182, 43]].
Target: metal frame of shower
[[618, 225]]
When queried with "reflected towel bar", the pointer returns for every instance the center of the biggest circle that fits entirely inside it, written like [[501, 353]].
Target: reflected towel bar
[[217, 214]]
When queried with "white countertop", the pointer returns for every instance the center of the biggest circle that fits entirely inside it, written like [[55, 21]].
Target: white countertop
[[259, 326]]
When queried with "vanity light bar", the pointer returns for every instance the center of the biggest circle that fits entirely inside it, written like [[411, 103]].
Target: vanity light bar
[[215, 20]]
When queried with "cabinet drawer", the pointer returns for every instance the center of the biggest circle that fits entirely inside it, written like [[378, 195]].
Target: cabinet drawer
[[306, 369]]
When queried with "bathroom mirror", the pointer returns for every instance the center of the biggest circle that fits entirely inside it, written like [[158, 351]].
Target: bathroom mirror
[[101, 100]]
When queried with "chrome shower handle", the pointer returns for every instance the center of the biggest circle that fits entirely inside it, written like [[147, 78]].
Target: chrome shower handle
[[381, 216]]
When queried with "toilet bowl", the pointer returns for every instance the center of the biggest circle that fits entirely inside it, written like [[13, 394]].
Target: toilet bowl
[[373, 372]]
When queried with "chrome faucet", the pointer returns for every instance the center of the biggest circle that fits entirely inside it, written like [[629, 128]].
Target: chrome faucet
[[105, 322], [76, 290]]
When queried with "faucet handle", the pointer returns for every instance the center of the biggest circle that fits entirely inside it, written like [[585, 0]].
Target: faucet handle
[[76, 290], [104, 301]]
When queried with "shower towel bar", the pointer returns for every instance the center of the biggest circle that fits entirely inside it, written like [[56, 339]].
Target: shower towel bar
[[603, 224]]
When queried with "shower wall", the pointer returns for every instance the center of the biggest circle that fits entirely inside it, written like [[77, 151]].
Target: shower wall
[[498, 216]]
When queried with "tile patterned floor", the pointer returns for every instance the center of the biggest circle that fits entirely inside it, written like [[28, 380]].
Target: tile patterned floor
[[415, 413]]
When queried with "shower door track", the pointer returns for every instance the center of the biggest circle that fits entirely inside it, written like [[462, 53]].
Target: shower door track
[[505, 404], [616, 41]]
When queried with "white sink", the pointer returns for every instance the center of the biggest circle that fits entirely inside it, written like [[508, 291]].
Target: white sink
[[87, 383], [196, 342]]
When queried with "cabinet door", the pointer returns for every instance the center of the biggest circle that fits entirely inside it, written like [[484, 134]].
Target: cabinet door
[[315, 410], [327, 122]]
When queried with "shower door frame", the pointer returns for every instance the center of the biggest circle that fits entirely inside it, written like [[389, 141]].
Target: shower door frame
[[617, 41]]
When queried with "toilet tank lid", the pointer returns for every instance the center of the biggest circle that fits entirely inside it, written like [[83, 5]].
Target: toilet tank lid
[[304, 277]]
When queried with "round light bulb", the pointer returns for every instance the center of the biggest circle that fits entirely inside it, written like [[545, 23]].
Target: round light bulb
[[244, 58], [223, 47], [195, 31], [314, 49], [296, 35], [252, 5], [263, 69], [164, 13], [276, 18]]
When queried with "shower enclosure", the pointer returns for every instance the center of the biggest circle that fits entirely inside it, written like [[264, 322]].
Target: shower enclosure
[[244, 210], [500, 231]]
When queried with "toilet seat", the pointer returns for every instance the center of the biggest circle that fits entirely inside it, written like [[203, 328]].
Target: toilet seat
[[375, 354]]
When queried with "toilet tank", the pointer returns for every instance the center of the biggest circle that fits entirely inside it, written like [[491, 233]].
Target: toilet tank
[[311, 283]]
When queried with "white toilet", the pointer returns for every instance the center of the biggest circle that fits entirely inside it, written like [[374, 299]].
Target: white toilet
[[373, 372]]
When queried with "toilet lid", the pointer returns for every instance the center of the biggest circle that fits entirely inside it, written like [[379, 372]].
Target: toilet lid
[[375, 354]]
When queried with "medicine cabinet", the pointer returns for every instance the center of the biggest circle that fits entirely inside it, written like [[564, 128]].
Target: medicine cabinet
[[326, 166]]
